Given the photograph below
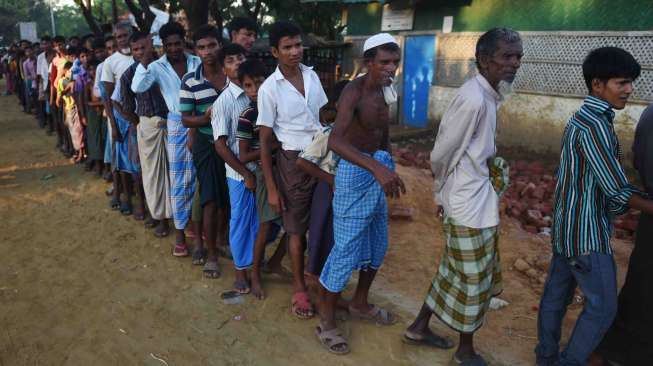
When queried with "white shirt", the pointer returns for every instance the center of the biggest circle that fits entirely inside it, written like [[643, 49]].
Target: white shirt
[[465, 142], [96, 82], [114, 66], [42, 69], [293, 117], [225, 114]]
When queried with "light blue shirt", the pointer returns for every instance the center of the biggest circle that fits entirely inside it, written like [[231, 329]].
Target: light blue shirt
[[162, 73]]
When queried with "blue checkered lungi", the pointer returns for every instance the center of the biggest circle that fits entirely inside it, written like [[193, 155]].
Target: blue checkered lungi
[[182, 171], [360, 223]]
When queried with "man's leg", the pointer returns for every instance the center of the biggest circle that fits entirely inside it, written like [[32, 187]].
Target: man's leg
[[596, 276], [557, 295]]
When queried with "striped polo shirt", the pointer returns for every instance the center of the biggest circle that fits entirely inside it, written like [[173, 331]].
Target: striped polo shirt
[[592, 187], [197, 94]]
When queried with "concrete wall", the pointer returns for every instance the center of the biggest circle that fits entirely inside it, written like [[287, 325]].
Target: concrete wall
[[536, 122]]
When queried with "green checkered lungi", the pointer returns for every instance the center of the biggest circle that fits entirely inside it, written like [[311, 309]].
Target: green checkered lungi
[[468, 277]]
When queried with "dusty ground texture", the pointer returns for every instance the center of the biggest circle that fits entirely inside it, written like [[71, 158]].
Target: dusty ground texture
[[82, 285]]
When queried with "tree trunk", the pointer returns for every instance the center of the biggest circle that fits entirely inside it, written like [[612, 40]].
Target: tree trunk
[[90, 19], [114, 12], [137, 13], [216, 14], [147, 13], [197, 13], [142, 13], [252, 13]]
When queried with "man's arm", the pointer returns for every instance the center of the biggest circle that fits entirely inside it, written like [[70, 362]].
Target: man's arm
[[274, 199], [145, 76], [115, 132], [389, 180], [246, 153], [230, 159], [315, 171], [127, 105]]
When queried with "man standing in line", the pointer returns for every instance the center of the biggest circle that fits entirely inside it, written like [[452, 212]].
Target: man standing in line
[[113, 68], [167, 72], [463, 162], [199, 89], [289, 102], [42, 70]]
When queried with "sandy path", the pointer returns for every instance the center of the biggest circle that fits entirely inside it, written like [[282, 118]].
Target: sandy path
[[82, 285]]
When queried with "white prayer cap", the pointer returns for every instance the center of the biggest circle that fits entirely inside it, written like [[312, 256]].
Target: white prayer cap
[[377, 40]]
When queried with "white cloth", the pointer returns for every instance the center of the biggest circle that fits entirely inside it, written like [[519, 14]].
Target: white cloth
[[42, 69], [114, 66], [225, 114], [293, 117], [115, 96], [465, 142]]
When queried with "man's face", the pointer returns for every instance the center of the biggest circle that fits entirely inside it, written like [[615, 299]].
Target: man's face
[[89, 43], [110, 47], [207, 49], [251, 85], [83, 58], [139, 48], [58, 47], [46, 46], [24, 46], [244, 37], [383, 66], [70, 57], [122, 38], [615, 91], [100, 53], [505, 62], [28, 52], [289, 52], [231, 64], [173, 46]]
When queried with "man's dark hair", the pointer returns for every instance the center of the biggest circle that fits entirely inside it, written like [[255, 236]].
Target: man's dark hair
[[98, 44], [87, 36], [46, 38], [170, 29], [283, 28], [67, 65], [25, 41], [59, 39], [137, 36], [239, 23], [337, 89], [71, 50], [607, 63], [488, 43], [109, 38], [230, 50], [252, 68], [84, 50], [72, 38], [207, 31], [388, 47]]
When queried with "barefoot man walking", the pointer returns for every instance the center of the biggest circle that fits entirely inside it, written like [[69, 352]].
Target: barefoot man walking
[[365, 175]]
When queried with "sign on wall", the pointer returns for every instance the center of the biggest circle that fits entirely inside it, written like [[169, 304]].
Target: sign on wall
[[397, 19], [28, 31], [419, 62]]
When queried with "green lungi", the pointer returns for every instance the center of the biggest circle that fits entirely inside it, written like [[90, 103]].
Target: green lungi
[[469, 275]]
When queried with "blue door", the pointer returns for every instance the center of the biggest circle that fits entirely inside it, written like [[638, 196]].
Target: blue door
[[419, 61]]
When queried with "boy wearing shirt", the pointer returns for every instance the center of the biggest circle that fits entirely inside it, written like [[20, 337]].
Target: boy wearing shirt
[[289, 102], [225, 113]]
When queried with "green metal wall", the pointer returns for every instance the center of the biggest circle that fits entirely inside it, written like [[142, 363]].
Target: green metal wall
[[523, 15]]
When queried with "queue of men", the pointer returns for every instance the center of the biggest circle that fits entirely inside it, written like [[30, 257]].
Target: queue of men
[[221, 152]]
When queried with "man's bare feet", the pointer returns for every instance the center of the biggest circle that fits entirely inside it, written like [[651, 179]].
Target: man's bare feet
[[257, 288]]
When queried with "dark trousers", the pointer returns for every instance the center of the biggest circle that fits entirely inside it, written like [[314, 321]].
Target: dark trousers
[[595, 275]]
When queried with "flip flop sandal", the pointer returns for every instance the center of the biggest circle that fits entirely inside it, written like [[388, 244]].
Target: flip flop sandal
[[125, 208], [301, 301], [161, 233], [114, 204], [477, 360], [430, 340], [199, 256], [151, 223], [242, 286], [331, 339], [377, 315], [180, 250], [211, 270]]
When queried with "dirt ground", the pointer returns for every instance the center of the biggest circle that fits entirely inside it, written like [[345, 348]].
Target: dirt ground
[[82, 285]]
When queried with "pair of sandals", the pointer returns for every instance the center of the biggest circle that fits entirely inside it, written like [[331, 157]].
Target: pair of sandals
[[200, 257], [333, 339]]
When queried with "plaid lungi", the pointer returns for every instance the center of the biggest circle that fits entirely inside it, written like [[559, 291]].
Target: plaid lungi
[[182, 171], [468, 277]]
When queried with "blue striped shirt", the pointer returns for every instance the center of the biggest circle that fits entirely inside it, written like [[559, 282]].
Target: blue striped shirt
[[197, 94], [592, 187]]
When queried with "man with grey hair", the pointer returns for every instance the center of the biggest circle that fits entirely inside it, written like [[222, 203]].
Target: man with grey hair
[[469, 179]]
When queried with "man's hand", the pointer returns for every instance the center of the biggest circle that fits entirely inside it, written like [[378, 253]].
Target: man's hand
[[189, 141], [250, 182], [392, 185], [162, 124], [276, 202], [115, 134], [207, 113], [148, 55]]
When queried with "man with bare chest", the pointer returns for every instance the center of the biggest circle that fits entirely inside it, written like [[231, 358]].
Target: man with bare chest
[[365, 175]]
